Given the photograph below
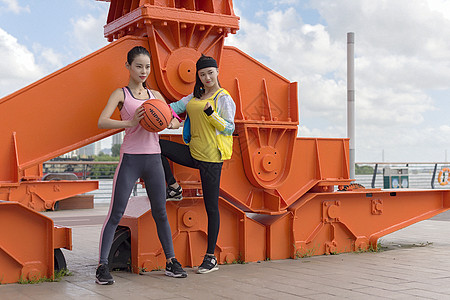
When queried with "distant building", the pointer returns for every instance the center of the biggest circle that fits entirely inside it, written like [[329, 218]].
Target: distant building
[[118, 138], [89, 150], [71, 154]]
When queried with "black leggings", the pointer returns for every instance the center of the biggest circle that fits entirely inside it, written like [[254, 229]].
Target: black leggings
[[210, 177], [130, 168]]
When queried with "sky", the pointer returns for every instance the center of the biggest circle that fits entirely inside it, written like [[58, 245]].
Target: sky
[[402, 62]]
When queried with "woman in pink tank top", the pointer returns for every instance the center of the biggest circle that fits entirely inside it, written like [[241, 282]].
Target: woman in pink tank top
[[140, 157]]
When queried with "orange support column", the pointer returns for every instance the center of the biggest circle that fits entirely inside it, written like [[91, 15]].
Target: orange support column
[[27, 243]]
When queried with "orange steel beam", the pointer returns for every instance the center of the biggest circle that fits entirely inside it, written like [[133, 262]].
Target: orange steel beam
[[27, 243], [42, 195], [54, 120], [330, 223]]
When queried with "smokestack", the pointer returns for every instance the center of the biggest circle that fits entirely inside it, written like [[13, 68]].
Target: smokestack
[[351, 100]]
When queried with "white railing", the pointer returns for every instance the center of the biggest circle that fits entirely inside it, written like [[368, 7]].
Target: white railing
[[421, 175]]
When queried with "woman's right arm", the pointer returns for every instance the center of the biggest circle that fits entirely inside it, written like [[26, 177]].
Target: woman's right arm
[[180, 106], [105, 121]]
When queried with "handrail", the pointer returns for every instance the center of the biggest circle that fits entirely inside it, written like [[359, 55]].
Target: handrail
[[406, 164], [83, 167], [93, 169], [89, 162], [81, 162], [403, 163]]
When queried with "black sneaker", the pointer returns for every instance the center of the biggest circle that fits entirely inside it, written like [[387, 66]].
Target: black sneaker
[[102, 275], [209, 264], [174, 194], [174, 269]]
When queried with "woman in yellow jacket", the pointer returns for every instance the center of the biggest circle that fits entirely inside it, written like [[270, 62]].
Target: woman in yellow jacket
[[207, 131]]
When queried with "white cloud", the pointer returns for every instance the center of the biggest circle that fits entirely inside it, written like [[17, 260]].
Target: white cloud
[[287, 2], [401, 50], [48, 57], [91, 4], [18, 65], [13, 6], [22, 66], [88, 33], [440, 6], [401, 54], [300, 52]]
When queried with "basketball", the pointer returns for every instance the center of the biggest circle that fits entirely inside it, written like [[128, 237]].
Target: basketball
[[157, 115]]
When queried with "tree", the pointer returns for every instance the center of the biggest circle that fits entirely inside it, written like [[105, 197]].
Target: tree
[[115, 150], [103, 170], [363, 170]]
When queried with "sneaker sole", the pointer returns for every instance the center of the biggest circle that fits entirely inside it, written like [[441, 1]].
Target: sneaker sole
[[104, 282], [170, 274], [174, 199], [204, 271]]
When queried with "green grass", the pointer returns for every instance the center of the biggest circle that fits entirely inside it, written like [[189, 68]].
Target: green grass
[[371, 248], [57, 277], [239, 260], [236, 261], [159, 268]]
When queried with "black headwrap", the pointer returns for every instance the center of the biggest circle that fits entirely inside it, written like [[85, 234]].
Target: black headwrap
[[206, 63]]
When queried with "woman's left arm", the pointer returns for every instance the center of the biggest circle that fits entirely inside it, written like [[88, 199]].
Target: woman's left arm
[[223, 118]]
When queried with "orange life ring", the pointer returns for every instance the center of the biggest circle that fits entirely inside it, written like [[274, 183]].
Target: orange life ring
[[441, 173]]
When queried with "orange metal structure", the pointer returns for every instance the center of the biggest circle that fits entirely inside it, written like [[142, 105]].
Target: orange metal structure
[[244, 239], [278, 197], [49, 118], [336, 222], [30, 244]]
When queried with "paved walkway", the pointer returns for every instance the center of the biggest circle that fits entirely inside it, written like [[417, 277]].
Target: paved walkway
[[415, 265]]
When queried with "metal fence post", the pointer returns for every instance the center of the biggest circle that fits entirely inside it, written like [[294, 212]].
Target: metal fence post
[[434, 176], [374, 177]]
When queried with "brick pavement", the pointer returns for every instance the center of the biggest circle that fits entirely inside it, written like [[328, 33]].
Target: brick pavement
[[414, 265]]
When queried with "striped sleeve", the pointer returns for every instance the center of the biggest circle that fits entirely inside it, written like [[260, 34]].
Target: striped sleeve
[[223, 118]]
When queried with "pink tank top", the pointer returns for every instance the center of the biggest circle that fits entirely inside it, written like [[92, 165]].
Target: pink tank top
[[137, 140]]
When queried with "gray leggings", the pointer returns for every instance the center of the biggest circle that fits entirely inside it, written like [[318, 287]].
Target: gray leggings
[[130, 168]]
